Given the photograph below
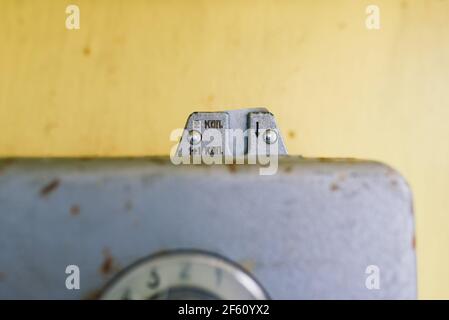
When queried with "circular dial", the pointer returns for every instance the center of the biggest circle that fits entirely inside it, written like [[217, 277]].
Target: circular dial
[[184, 275]]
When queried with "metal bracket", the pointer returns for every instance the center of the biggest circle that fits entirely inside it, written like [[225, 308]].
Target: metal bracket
[[242, 132]]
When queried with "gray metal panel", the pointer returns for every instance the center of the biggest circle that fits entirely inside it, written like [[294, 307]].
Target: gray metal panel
[[307, 232]]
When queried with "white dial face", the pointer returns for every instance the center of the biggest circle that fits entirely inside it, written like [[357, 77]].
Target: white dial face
[[184, 275]]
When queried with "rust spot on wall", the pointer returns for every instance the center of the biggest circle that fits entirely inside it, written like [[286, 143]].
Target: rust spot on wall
[[334, 187], [86, 51], [75, 210], [288, 169], [109, 265], [2, 276], [232, 168], [414, 242], [291, 134], [108, 261], [49, 188], [93, 295]]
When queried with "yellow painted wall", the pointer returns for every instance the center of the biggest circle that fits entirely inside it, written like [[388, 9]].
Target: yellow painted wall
[[136, 69]]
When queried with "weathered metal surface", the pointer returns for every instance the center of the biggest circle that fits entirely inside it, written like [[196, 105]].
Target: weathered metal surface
[[309, 231]]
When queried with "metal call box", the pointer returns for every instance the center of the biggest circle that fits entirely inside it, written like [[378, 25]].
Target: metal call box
[[148, 229]]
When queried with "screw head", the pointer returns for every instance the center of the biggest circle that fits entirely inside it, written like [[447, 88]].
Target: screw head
[[270, 136], [194, 137]]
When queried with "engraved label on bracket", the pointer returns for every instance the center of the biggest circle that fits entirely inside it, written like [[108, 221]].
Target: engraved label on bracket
[[213, 124], [213, 150]]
